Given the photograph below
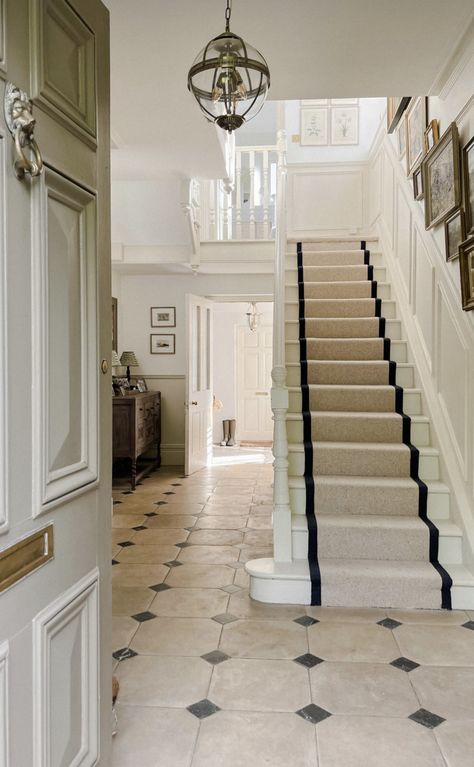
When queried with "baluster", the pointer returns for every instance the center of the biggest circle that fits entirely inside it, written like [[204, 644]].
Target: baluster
[[212, 211], [252, 195], [266, 196], [238, 196]]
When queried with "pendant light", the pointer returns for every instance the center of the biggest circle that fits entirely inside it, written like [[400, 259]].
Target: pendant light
[[229, 79]]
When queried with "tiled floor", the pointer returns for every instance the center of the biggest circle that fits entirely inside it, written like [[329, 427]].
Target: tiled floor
[[209, 678]]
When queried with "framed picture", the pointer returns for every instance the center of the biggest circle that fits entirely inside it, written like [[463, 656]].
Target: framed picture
[[396, 106], [344, 101], [162, 344], [401, 138], [163, 316], [114, 325], [431, 135], [344, 125], [466, 266], [454, 234], [415, 132], [314, 126], [141, 383], [442, 178], [314, 102], [417, 179], [468, 184]]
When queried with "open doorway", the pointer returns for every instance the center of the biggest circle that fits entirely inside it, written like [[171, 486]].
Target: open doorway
[[242, 361]]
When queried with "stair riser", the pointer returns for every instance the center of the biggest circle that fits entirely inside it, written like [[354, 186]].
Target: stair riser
[[348, 403], [383, 291], [351, 543], [340, 502], [333, 275], [360, 467], [333, 431], [393, 328], [367, 592], [315, 308], [420, 434], [404, 377], [333, 350]]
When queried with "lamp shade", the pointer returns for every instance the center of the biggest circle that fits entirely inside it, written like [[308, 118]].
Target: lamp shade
[[115, 359], [128, 359]]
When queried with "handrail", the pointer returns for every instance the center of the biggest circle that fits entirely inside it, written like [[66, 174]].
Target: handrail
[[282, 548]]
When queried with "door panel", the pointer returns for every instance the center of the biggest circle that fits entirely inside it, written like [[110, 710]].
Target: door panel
[[198, 419], [253, 384]]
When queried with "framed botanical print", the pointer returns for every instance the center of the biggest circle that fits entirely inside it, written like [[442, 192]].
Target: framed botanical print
[[344, 125], [442, 178], [468, 184], [314, 126], [466, 266], [401, 138], [396, 106], [417, 179], [163, 316], [162, 343], [415, 132], [431, 135], [454, 233]]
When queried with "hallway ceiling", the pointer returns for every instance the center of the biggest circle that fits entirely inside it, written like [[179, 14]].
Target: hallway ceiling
[[315, 49]]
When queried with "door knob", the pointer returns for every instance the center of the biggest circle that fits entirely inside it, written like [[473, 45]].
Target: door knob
[[193, 403]]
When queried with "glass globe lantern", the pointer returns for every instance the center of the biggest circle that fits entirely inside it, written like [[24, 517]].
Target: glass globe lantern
[[229, 79]]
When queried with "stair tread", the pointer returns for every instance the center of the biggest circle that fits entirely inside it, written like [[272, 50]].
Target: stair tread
[[296, 447], [434, 486], [359, 415], [362, 521], [353, 387], [381, 568]]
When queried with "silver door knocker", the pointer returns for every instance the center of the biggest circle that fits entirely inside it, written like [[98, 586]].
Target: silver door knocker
[[21, 124]]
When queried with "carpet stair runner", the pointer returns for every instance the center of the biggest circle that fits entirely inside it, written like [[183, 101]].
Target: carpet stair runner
[[354, 471]]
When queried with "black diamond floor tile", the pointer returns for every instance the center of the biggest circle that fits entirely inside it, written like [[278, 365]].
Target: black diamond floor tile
[[308, 660], [389, 623], [169, 492], [124, 544], [184, 545], [151, 514], [145, 616], [203, 708], [427, 718], [159, 587], [176, 484], [161, 503], [313, 713], [215, 657], [224, 618], [124, 653], [173, 564], [468, 625], [305, 620], [115, 562], [116, 503], [404, 664], [140, 527], [127, 492]]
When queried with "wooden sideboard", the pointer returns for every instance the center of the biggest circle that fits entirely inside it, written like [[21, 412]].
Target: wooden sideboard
[[137, 428]]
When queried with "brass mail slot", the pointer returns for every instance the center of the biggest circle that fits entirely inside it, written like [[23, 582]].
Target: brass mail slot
[[25, 556], [262, 393]]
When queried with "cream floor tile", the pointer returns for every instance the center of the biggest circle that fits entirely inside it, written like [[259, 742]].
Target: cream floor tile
[[260, 685], [264, 639], [255, 552], [352, 642], [448, 692], [138, 575], [259, 538], [160, 537], [436, 645], [127, 521], [363, 689], [203, 576], [177, 636], [123, 629], [376, 741], [221, 522], [441, 617], [116, 551], [129, 601], [347, 614], [122, 534], [148, 555], [179, 508], [190, 603], [470, 614], [151, 680], [226, 509], [173, 521], [456, 741], [216, 555], [242, 606], [147, 737], [241, 579], [238, 739], [215, 537], [260, 523], [261, 510], [237, 491]]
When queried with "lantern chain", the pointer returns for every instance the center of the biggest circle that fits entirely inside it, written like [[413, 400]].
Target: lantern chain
[[228, 11]]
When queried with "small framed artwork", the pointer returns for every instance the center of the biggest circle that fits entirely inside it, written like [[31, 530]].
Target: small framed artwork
[[466, 266], [344, 101], [454, 234], [401, 138], [417, 179], [163, 316], [415, 130], [313, 102], [162, 343], [141, 383], [396, 106], [344, 125], [468, 184], [442, 178], [431, 135], [314, 127]]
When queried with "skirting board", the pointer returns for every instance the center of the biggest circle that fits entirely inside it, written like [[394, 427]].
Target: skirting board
[[172, 455]]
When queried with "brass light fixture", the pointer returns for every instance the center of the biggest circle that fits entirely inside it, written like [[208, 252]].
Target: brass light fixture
[[229, 79]]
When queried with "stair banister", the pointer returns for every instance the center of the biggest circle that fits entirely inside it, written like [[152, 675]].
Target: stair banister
[[279, 394]]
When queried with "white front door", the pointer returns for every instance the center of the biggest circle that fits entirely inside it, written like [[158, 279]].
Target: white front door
[[55, 403], [254, 366], [198, 405]]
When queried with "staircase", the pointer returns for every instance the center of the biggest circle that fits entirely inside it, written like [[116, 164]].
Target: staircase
[[370, 517]]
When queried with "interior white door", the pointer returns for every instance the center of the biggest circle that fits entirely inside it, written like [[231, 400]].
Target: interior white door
[[254, 366], [55, 402], [198, 405]]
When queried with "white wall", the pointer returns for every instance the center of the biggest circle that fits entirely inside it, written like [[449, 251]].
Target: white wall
[[227, 319], [148, 213], [136, 293], [440, 333]]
